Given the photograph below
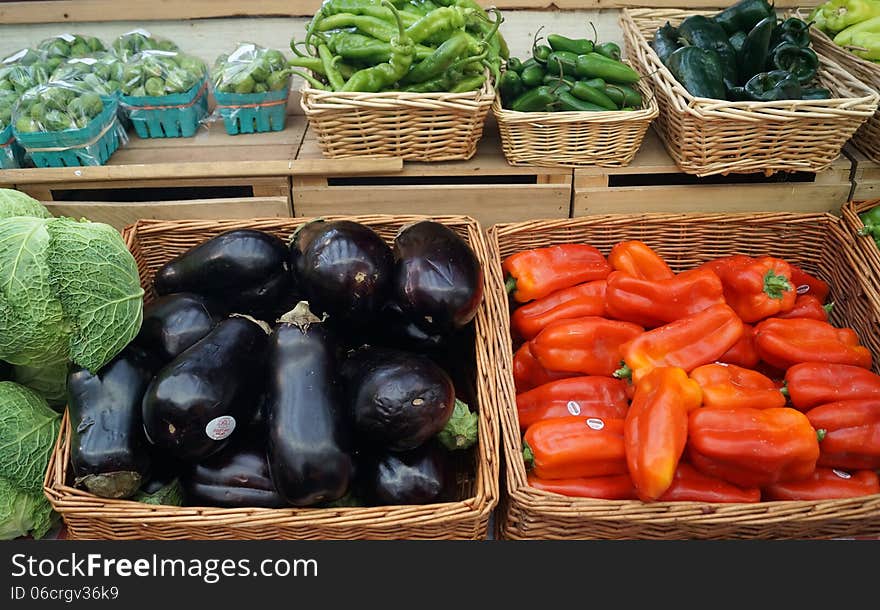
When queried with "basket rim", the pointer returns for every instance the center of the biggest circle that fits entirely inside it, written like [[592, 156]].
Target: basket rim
[[520, 494], [67, 500]]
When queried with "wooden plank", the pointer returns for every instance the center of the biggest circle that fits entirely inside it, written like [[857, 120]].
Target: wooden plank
[[121, 214], [73, 11], [866, 176]]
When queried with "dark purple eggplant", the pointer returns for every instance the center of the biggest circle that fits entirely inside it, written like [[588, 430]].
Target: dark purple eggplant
[[173, 323], [438, 281], [398, 399], [343, 269], [196, 402], [108, 452], [244, 269], [309, 431], [237, 477], [422, 476], [398, 330]]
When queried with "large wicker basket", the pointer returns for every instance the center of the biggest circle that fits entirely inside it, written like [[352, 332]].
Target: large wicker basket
[[154, 242], [575, 139], [867, 247], [867, 138], [707, 137], [413, 126], [820, 243]]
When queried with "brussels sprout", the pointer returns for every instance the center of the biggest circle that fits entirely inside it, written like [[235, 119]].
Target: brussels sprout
[[193, 65], [56, 120], [37, 110], [26, 124], [56, 48], [167, 45], [260, 70], [277, 80], [92, 104], [245, 86], [276, 60], [154, 86], [113, 86], [138, 92], [5, 85], [260, 88], [80, 49], [95, 44]]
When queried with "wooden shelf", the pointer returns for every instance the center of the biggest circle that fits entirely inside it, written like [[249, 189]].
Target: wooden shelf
[[866, 175]]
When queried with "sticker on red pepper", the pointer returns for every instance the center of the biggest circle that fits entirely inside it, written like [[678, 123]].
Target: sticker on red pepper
[[220, 427], [595, 423], [573, 407], [803, 289], [842, 474]]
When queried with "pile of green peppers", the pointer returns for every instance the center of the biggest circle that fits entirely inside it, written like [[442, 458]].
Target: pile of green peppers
[[419, 46], [570, 75], [854, 25], [871, 220], [744, 53], [251, 69]]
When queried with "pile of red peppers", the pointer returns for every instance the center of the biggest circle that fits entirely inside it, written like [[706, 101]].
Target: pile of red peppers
[[723, 383]]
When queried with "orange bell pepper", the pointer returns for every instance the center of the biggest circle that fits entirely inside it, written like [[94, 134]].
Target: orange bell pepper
[[850, 433], [807, 306], [727, 385], [612, 487], [691, 485], [528, 372], [573, 447], [756, 288], [805, 283], [653, 303], [533, 274], [744, 352], [752, 447], [826, 484], [602, 397], [811, 384], [784, 343], [589, 346], [657, 427], [638, 260], [575, 302], [687, 343]]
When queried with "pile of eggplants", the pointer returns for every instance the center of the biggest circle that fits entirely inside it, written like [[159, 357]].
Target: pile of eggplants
[[323, 371]]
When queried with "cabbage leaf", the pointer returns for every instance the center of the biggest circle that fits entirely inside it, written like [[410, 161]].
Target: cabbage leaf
[[16, 203], [23, 513], [28, 428]]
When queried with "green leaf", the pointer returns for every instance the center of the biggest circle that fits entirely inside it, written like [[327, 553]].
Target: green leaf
[[16, 203], [28, 428], [775, 285], [461, 431], [48, 380], [170, 495], [23, 513], [96, 280], [32, 325]]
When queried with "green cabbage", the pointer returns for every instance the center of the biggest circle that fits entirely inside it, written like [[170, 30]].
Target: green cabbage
[[48, 380], [16, 203], [28, 428], [23, 513]]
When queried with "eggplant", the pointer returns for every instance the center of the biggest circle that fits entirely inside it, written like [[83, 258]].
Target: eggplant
[[108, 452], [343, 269], [196, 402], [398, 399], [246, 270], [309, 431], [173, 323], [237, 477], [438, 281], [422, 476]]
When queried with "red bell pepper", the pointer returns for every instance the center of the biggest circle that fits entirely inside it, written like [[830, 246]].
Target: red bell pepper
[[687, 343], [691, 485], [637, 259], [850, 433], [752, 447], [534, 274], [573, 447], [807, 306], [784, 343], [744, 352], [727, 386], [653, 303], [589, 346], [612, 487], [575, 302], [657, 428], [805, 283], [826, 484], [602, 397], [528, 372], [811, 384], [756, 288]]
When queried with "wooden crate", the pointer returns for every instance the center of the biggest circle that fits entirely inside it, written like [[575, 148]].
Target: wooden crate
[[485, 187], [866, 176], [653, 183]]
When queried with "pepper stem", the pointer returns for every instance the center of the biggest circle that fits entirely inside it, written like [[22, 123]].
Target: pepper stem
[[829, 307], [821, 433], [776, 284], [400, 28], [624, 372], [528, 456], [784, 390], [510, 284], [462, 429]]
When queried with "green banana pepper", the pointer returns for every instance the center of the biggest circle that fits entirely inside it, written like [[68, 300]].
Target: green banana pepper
[[384, 75], [743, 15], [756, 48], [698, 71], [842, 14], [802, 62], [440, 60], [701, 31], [865, 45], [773, 86]]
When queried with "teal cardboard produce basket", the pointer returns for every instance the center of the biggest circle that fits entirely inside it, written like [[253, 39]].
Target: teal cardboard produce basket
[[91, 145], [168, 116], [11, 154], [253, 112]]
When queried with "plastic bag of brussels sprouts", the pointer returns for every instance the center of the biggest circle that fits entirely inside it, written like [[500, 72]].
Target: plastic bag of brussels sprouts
[[10, 152], [23, 70], [133, 42], [251, 86], [164, 93], [101, 73], [63, 123], [64, 46]]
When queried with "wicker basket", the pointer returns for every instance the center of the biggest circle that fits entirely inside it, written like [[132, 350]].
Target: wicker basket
[[574, 139], [821, 244], [413, 126], [87, 516], [707, 137], [866, 245], [867, 138]]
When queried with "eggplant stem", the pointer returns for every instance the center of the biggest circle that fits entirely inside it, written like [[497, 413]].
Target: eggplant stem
[[301, 316], [263, 325]]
